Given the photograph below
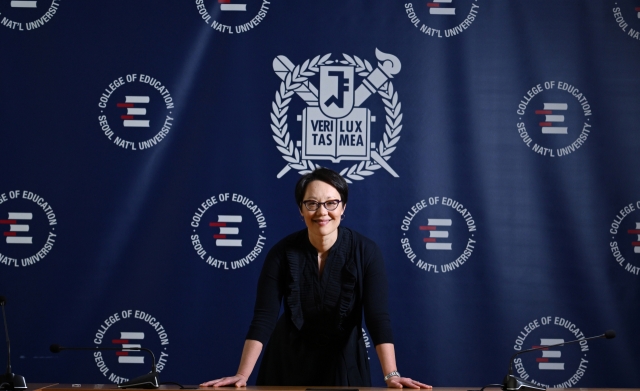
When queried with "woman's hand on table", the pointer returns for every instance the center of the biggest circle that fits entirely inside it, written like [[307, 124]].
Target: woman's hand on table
[[400, 382], [237, 380]]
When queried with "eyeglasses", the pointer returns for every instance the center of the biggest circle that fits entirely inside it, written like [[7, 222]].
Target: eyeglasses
[[314, 205]]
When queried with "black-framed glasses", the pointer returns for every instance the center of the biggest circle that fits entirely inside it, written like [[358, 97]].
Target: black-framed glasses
[[312, 205]]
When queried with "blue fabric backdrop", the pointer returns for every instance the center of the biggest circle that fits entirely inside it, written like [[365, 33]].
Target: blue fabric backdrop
[[151, 150]]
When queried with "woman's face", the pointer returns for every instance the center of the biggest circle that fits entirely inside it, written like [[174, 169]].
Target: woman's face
[[322, 222]]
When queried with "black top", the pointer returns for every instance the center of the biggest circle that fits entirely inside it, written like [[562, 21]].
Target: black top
[[318, 339]]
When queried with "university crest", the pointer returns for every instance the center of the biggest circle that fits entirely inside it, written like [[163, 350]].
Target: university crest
[[336, 126]]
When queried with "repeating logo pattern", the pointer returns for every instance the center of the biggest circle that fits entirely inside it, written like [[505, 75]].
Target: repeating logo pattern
[[127, 330], [627, 15], [138, 98], [27, 223], [557, 367], [439, 230], [27, 15], [442, 18], [625, 238], [233, 16], [321, 114], [228, 231], [335, 126], [561, 113]]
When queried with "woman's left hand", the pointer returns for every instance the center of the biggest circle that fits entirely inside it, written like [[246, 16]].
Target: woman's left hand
[[400, 382]]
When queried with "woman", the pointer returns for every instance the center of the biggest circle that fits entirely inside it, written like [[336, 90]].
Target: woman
[[326, 275]]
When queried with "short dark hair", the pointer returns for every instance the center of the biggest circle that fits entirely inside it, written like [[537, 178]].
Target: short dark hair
[[327, 176]]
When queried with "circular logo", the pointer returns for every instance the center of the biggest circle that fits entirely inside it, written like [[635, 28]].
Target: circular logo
[[136, 112], [554, 119], [233, 16], [442, 18], [28, 224], [627, 15], [128, 331], [27, 15], [228, 231], [438, 234], [555, 367], [336, 123], [625, 238]]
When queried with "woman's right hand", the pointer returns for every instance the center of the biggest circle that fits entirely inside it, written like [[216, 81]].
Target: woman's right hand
[[250, 354], [237, 380]]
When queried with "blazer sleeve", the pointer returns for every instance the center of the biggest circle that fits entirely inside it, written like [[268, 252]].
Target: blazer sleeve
[[268, 297], [375, 295]]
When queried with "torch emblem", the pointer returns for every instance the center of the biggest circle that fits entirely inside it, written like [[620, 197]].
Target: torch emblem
[[335, 126]]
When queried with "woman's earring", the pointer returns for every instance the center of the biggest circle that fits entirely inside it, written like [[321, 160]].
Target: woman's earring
[[342, 216], [301, 218]]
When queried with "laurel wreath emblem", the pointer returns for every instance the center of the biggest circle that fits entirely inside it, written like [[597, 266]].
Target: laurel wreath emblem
[[296, 79]]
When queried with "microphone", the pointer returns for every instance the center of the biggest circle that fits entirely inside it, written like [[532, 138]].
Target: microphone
[[9, 381], [150, 380], [513, 383]]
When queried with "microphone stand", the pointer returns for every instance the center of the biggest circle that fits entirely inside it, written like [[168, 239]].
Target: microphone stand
[[513, 383], [9, 381], [148, 381]]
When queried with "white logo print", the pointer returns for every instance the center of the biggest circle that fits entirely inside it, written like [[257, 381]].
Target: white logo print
[[217, 237], [551, 118], [556, 367], [125, 356], [225, 5], [543, 362], [335, 126], [630, 10], [27, 15], [564, 127], [627, 252], [145, 325], [24, 4], [130, 120], [221, 238], [436, 8], [442, 18], [437, 234], [233, 16], [29, 235], [16, 226], [636, 242], [133, 106], [448, 246]]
